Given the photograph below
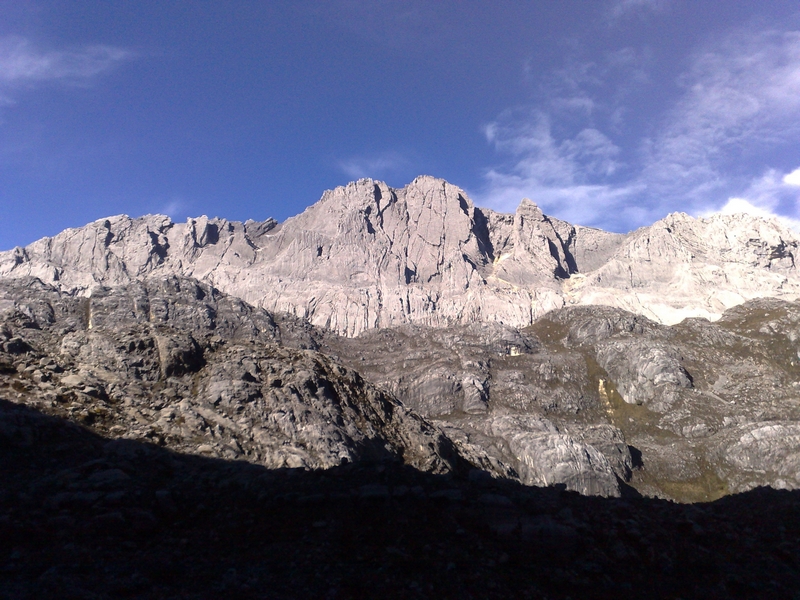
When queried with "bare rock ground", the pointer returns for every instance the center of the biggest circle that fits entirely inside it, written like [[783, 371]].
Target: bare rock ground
[[592, 397], [178, 363]]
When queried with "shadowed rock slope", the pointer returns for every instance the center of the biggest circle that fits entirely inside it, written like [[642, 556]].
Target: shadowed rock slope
[[368, 394], [84, 516], [593, 398], [177, 363], [369, 256]]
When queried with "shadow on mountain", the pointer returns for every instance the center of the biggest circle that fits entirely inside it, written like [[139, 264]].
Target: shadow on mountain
[[82, 516]]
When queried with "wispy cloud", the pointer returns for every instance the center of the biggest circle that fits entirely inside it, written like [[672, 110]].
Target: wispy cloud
[[740, 98], [174, 209], [621, 8], [374, 166], [738, 102], [565, 176], [23, 65], [549, 160]]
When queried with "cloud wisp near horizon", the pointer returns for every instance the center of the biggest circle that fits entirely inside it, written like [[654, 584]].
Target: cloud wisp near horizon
[[736, 104], [375, 166]]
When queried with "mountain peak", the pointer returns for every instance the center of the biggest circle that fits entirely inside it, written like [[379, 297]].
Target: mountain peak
[[368, 255]]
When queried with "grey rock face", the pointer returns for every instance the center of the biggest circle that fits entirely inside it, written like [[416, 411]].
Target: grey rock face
[[592, 396], [682, 267], [647, 373], [176, 362], [546, 456], [524, 412], [368, 256], [771, 448]]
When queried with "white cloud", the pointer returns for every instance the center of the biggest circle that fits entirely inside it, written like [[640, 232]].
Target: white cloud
[[770, 196], [563, 175], [374, 167], [740, 97], [21, 62], [546, 159], [792, 178], [738, 101], [24, 67], [579, 203], [771, 190]]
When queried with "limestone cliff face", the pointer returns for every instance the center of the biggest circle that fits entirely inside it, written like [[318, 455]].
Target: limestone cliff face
[[369, 256], [684, 267]]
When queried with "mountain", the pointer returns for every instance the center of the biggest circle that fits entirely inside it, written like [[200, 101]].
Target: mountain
[[512, 340], [398, 382], [369, 256]]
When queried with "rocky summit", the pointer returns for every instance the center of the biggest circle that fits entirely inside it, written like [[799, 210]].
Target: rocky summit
[[367, 256], [396, 390]]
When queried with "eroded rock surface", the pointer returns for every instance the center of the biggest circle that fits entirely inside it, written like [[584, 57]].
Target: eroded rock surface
[[529, 347], [504, 391], [593, 396], [180, 364]]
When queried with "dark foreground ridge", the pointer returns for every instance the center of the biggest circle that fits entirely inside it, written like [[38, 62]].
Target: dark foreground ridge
[[83, 516]]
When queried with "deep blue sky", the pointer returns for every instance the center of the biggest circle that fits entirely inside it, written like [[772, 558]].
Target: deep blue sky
[[610, 113]]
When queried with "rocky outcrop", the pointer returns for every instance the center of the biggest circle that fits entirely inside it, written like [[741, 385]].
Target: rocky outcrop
[[84, 516], [683, 267], [596, 397], [502, 390], [592, 398], [178, 363], [369, 256], [546, 456]]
